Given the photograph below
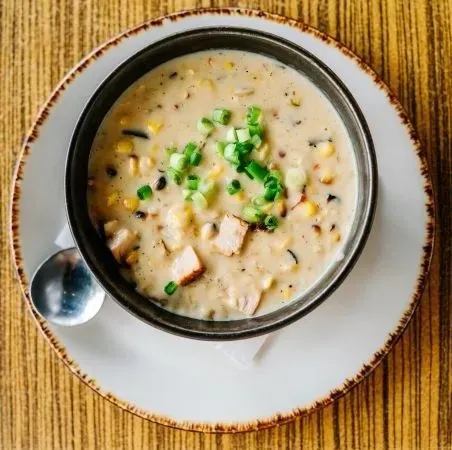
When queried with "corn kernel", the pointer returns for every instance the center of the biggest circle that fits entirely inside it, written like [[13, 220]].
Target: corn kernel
[[287, 293], [326, 148], [229, 65], [281, 207], [132, 258], [327, 176], [110, 227], [267, 282], [133, 166], [206, 83], [154, 127], [113, 198], [240, 196], [267, 208], [309, 208], [215, 172], [124, 146], [131, 203], [146, 163], [295, 101], [335, 236], [263, 152]]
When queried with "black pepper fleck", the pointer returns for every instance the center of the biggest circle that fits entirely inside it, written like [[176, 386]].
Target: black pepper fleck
[[140, 214], [160, 184], [173, 75], [111, 171], [330, 198]]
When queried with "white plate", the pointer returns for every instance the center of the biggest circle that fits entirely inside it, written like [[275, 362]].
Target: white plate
[[188, 384]]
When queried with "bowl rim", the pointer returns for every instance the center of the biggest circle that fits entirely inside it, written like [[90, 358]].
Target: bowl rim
[[359, 241]]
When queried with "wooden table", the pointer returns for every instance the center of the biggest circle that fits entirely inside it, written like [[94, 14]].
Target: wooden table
[[405, 403]]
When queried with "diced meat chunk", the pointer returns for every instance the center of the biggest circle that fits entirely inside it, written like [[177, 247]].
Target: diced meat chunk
[[246, 302], [121, 243], [111, 227], [187, 266], [231, 236]]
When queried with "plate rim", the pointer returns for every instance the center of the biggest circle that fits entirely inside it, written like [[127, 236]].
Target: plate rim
[[279, 418]]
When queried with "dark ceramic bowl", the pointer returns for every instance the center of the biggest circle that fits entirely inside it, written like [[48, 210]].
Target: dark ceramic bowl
[[100, 260]]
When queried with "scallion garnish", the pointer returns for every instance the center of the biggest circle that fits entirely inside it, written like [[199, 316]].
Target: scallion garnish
[[187, 193], [170, 151], [178, 161], [252, 214], [195, 158], [190, 148], [259, 201], [231, 154], [199, 200], [233, 187], [193, 182], [219, 148], [244, 147], [254, 115], [170, 288], [271, 222], [221, 116], [256, 170], [231, 135], [144, 192], [207, 188], [256, 141], [243, 134], [205, 126], [256, 130], [175, 175]]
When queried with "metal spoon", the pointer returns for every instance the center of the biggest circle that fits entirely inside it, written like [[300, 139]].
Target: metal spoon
[[63, 290]]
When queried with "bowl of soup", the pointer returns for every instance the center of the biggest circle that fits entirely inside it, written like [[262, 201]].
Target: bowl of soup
[[221, 183]]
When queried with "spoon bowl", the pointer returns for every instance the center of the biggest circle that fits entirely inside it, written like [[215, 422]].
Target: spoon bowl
[[64, 291]]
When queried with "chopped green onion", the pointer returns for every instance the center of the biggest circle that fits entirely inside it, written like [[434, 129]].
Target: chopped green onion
[[256, 170], [274, 174], [195, 158], [199, 200], [231, 135], [193, 182], [243, 134], [256, 141], [252, 214], [270, 193], [240, 168], [144, 192], [178, 161], [271, 222], [205, 126], [219, 148], [187, 194], [231, 154], [259, 201], [190, 148], [175, 175], [170, 151], [221, 116], [170, 288], [207, 188], [256, 130], [254, 115], [244, 148], [233, 187]]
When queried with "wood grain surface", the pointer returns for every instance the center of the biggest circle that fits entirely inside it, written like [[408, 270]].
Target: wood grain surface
[[405, 403]]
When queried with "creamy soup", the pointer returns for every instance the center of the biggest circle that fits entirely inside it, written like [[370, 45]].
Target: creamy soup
[[224, 183]]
